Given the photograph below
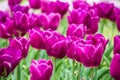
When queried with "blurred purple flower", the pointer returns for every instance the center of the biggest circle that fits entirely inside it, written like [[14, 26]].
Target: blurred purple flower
[[50, 21], [56, 45], [21, 43], [12, 3], [81, 4], [56, 7], [9, 59], [41, 69], [37, 39], [76, 31], [118, 22], [105, 9], [23, 9], [3, 16], [115, 67], [116, 44], [35, 4]]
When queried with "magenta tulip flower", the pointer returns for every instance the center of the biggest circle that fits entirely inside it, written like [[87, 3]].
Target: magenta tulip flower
[[90, 52], [76, 31], [3, 16], [13, 2], [56, 7], [7, 29], [41, 69], [116, 44], [35, 4], [118, 23], [9, 59], [81, 4], [37, 39], [50, 21], [115, 67], [56, 45], [21, 22], [23, 9], [21, 43]]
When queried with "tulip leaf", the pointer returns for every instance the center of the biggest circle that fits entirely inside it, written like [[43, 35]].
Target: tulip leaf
[[101, 72]]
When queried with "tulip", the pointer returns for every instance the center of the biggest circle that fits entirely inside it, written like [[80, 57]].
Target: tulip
[[37, 39], [56, 7], [104, 9], [9, 59], [35, 4], [23, 9], [76, 31], [21, 22], [87, 17], [41, 69], [50, 21], [115, 67], [21, 43], [3, 16], [77, 16], [118, 23], [12, 3], [116, 44], [90, 52], [7, 29], [56, 45], [81, 4]]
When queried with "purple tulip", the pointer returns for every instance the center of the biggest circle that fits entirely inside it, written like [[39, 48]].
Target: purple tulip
[[87, 17], [21, 43], [90, 52], [115, 67], [76, 31], [33, 21], [3, 16], [56, 45], [91, 20], [41, 69], [7, 29], [50, 21], [77, 16], [37, 39], [118, 23], [104, 9], [116, 44], [114, 14], [12, 3], [3, 31], [81, 4], [35, 4], [56, 7], [23, 9], [9, 59], [21, 22]]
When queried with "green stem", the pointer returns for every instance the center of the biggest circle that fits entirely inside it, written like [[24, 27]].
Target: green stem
[[72, 69], [79, 72], [92, 74], [95, 70], [54, 69], [18, 72]]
